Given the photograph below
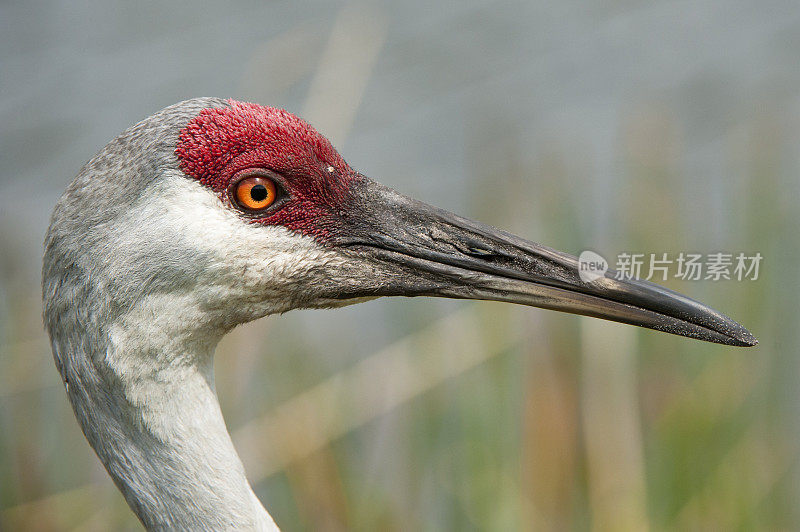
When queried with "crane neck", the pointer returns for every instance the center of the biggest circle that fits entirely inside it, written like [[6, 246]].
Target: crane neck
[[143, 391]]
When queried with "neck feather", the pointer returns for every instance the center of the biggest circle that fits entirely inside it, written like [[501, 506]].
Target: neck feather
[[145, 398]]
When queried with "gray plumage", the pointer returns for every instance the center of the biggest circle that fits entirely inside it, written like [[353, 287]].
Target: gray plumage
[[107, 250]]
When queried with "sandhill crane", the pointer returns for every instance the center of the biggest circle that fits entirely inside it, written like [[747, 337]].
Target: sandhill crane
[[212, 213]]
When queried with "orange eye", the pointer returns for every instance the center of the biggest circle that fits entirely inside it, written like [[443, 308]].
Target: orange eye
[[255, 193]]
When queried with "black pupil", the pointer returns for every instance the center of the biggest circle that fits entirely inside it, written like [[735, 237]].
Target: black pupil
[[259, 193]]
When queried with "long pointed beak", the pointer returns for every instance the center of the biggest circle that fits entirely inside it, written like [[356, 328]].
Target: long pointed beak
[[436, 253]]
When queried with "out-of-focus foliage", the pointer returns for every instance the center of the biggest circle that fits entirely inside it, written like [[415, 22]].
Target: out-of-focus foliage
[[639, 127]]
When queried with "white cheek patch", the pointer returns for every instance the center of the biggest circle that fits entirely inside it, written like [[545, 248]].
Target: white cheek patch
[[265, 266]]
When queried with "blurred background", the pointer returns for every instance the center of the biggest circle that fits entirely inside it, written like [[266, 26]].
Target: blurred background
[[613, 125]]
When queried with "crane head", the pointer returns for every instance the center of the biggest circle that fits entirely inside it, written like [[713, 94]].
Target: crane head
[[254, 212]]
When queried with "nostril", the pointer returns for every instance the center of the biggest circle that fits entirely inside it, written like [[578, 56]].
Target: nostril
[[475, 251], [468, 246], [478, 249]]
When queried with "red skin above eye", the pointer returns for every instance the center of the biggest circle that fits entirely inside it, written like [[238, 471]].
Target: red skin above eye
[[220, 142]]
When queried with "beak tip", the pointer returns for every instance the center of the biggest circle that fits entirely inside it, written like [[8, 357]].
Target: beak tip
[[741, 337], [748, 340]]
